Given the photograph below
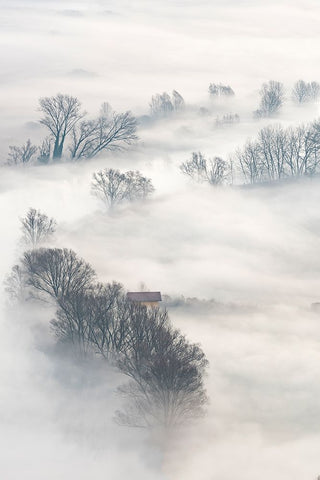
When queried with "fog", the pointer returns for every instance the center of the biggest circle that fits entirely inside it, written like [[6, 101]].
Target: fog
[[249, 255]]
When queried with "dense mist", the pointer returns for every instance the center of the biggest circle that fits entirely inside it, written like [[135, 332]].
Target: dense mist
[[238, 265]]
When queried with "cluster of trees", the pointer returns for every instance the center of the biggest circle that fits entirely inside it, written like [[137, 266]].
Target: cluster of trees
[[162, 105], [276, 154], [281, 152], [114, 187], [272, 96], [227, 119], [217, 90], [164, 369], [68, 124], [215, 171]]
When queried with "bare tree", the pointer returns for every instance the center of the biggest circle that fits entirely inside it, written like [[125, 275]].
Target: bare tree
[[166, 372], [15, 285], [37, 227], [214, 171], [22, 155], [250, 162], [272, 97], [93, 320], [217, 90], [114, 187], [61, 114], [273, 147], [91, 137], [45, 151], [57, 272], [300, 92]]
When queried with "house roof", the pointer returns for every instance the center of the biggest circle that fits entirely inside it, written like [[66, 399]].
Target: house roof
[[144, 296]]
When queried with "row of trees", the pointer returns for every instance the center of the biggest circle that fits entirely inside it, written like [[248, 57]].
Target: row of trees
[[272, 97], [68, 124], [276, 154], [165, 370], [281, 152]]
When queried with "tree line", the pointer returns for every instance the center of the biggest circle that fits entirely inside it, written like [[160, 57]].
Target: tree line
[[280, 153], [276, 154], [165, 371], [68, 125]]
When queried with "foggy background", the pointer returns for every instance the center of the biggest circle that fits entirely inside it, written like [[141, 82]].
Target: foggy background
[[254, 251]]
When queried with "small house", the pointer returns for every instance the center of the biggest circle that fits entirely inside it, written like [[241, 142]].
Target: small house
[[149, 299]]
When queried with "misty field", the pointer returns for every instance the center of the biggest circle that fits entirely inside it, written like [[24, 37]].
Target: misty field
[[168, 147]]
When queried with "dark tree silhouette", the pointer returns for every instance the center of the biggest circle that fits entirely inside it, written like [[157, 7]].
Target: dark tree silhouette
[[91, 137], [57, 272], [61, 114], [166, 372], [92, 320]]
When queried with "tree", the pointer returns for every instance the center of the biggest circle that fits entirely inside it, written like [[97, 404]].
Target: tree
[[91, 137], [57, 272], [214, 171], [165, 370], [92, 320], [219, 90], [45, 151], [177, 101], [37, 227], [114, 187], [303, 92], [273, 148], [61, 114], [272, 97], [23, 154], [15, 284], [250, 162]]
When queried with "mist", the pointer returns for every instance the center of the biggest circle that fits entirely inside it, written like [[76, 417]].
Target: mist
[[238, 266]]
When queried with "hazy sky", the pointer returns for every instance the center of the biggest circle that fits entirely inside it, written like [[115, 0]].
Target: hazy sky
[[256, 251]]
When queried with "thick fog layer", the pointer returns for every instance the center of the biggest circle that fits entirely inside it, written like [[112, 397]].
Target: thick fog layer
[[240, 264]]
